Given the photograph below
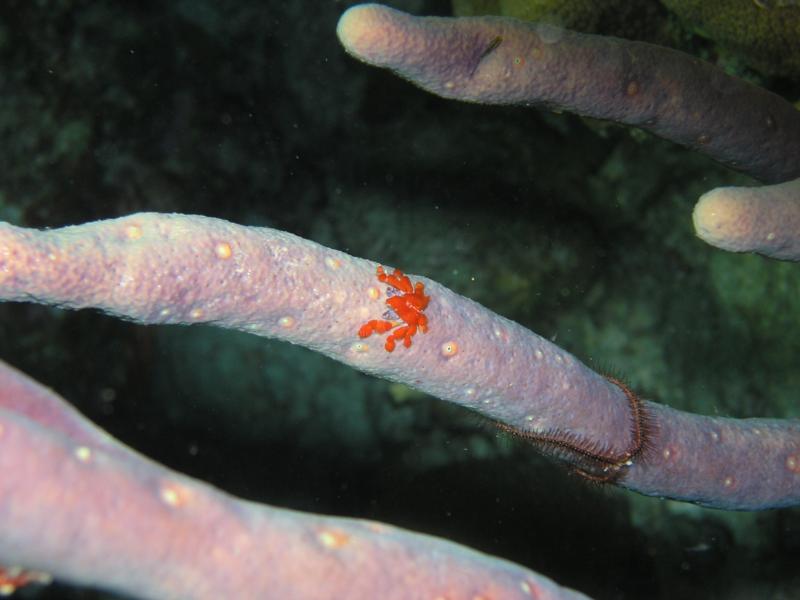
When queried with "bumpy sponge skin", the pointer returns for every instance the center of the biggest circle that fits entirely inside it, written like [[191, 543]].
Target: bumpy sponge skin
[[496, 60]]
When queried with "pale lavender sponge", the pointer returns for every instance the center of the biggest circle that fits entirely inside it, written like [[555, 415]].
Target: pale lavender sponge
[[495, 60], [155, 268], [765, 220], [78, 505]]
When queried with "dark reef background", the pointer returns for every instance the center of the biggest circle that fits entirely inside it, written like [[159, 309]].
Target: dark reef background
[[251, 111]]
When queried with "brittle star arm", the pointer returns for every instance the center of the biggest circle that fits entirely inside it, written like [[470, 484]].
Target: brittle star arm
[[78, 505], [169, 268]]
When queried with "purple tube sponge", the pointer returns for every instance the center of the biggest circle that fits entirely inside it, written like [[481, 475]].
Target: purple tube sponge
[[155, 268], [496, 60], [765, 220], [77, 504]]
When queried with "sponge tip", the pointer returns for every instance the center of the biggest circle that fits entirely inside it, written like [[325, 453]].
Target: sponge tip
[[719, 218], [365, 31]]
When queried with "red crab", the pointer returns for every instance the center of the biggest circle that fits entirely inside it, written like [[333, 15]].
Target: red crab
[[407, 303], [11, 579]]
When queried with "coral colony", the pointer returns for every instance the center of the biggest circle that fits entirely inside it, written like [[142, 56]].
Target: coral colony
[[59, 498]]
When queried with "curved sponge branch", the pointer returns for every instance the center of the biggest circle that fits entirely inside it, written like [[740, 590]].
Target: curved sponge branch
[[79, 505], [154, 268], [496, 60], [765, 220]]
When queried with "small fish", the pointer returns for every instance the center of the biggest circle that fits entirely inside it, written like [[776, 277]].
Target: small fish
[[493, 45]]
